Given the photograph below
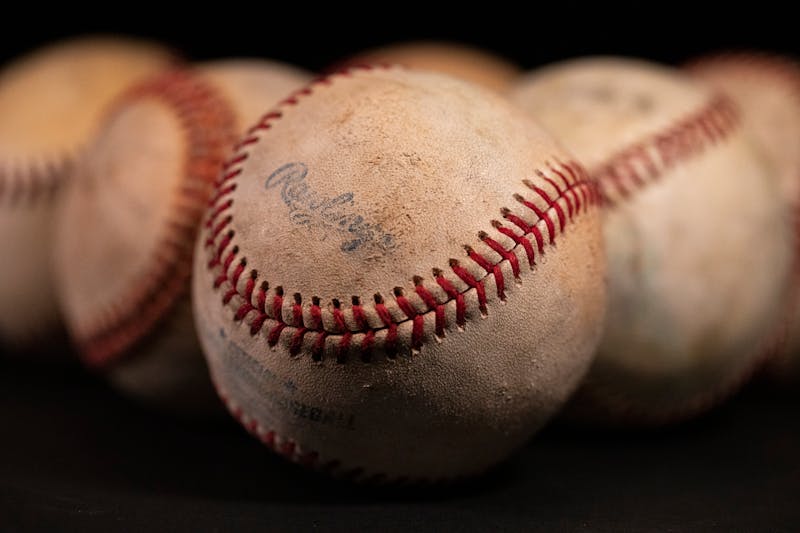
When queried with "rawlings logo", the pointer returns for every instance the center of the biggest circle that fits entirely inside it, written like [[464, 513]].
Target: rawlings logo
[[309, 208]]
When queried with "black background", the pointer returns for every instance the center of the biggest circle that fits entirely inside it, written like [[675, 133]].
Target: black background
[[316, 36], [73, 455]]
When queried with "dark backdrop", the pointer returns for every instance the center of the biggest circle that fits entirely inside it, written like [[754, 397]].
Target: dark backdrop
[[74, 455], [315, 36]]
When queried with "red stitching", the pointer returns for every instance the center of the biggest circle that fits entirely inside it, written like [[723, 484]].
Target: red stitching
[[453, 294], [518, 239], [358, 314], [633, 167], [287, 448], [508, 255], [470, 280], [551, 228], [219, 209], [403, 304], [235, 278], [550, 203], [209, 124], [34, 184], [316, 315], [367, 345], [277, 305], [572, 193], [294, 452], [297, 310], [218, 229], [625, 172], [570, 209], [319, 346], [490, 269]]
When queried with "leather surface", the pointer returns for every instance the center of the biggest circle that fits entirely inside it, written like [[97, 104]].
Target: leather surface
[[417, 164]]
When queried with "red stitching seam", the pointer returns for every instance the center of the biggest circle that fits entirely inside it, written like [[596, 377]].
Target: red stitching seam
[[576, 191], [292, 319], [292, 451], [209, 124], [641, 163], [41, 181], [619, 177], [35, 184]]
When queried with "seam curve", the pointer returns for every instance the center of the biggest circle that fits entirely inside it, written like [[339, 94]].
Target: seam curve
[[622, 175], [208, 122], [633, 167], [395, 322], [294, 452], [37, 183]]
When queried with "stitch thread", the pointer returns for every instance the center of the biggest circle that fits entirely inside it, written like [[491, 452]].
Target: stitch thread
[[632, 168], [635, 166], [380, 325], [209, 124], [294, 452], [361, 330], [35, 184]]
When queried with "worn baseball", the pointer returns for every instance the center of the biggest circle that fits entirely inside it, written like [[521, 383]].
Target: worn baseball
[[457, 60], [400, 278], [51, 101], [698, 240], [767, 89], [127, 227]]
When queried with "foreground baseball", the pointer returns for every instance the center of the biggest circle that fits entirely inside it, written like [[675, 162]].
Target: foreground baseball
[[50, 103], [457, 60], [767, 88], [400, 278], [126, 230], [697, 236]]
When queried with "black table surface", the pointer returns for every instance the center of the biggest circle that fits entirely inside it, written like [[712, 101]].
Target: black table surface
[[76, 456]]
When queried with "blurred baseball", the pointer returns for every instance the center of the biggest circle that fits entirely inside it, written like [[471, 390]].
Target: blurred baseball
[[51, 102], [126, 229], [457, 60], [400, 277], [698, 238], [767, 89]]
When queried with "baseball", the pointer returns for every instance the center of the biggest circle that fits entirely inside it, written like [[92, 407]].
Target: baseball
[[400, 277], [767, 89], [50, 103], [127, 225], [698, 239], [457, 60]]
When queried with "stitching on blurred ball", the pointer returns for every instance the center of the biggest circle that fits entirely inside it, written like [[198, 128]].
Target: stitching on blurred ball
[[208, 122], [645, 161], [633, 168], [38, 182]]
